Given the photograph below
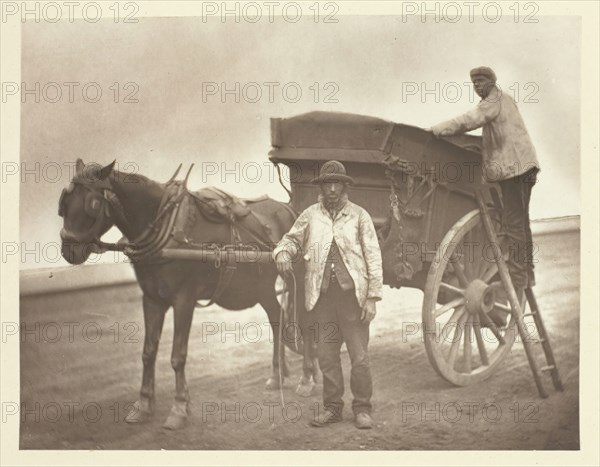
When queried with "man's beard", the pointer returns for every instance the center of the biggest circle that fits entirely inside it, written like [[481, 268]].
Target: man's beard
[[334, 204], [331, 203]]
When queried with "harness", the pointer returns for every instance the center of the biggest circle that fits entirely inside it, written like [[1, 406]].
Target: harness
[[220, 207], [97, 204], [101, 203]]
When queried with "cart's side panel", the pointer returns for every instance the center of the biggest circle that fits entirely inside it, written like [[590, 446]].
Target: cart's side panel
[[454, 171], [323, 130], [447, 208], [426, 155]]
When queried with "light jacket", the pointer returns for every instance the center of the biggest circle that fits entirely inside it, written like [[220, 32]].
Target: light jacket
[[311, 236], [507, 147]]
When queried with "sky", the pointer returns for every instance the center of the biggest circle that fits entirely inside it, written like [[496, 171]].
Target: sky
[[178, 68]]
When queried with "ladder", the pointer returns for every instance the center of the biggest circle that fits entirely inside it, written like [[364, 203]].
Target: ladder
[[518, 313]]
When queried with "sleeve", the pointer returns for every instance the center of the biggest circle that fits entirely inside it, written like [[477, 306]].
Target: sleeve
[[293, 241], [485, 112], [372, 255]]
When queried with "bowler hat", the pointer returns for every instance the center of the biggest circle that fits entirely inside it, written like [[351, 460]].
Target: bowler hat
[[333, 170], [484, 71]]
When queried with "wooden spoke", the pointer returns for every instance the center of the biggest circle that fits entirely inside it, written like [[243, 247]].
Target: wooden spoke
[[480, 260], [480, 344], [456, 316], [473, 254], [489, 273], [449, 306], [460, 273], [451, 288], [456, 340], [467, 351], [492, 326], [503, 306]]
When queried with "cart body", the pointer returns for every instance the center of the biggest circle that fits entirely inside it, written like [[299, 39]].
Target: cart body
[[434, 179]]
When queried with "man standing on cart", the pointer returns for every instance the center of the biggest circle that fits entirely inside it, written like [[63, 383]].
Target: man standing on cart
[[510, 159], [344, 277]]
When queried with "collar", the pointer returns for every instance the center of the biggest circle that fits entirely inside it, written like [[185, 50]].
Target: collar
[[493, 95]]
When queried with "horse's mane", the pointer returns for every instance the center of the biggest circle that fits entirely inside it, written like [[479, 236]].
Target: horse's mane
[[136, 178]]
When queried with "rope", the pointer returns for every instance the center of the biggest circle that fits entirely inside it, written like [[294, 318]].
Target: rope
[[281, 358], [281, 180], [291, 276]]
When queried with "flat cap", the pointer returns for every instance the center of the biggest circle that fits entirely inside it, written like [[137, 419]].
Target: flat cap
[[484, 71]]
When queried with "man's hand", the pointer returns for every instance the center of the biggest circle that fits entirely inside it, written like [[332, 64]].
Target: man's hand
[[369, 311], [283, 262]]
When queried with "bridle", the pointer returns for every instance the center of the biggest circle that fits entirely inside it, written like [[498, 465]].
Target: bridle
[[101, 203]]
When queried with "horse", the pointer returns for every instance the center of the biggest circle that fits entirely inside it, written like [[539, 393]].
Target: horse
[[99, 198]]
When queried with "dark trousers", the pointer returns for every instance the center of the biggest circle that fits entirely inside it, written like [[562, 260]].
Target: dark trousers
[[516, 193], [337, 319]]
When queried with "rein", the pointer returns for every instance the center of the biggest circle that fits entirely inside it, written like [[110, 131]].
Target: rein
[[157, 234], [103, 203]]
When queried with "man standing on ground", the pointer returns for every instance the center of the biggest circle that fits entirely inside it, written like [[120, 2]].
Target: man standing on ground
[[344, 277], [509, 158]]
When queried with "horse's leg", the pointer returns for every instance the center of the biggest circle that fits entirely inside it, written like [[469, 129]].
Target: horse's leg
[[183, 312], [310, 366], [279, 365], [154, 316], [317, 375]]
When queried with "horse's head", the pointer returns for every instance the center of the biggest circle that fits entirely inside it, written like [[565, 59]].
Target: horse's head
[[86, 211]]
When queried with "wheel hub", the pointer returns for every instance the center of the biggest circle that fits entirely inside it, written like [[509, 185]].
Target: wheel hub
[[479, 297]]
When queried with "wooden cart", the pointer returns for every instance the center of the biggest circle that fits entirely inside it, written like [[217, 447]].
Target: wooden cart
[[439, 227]]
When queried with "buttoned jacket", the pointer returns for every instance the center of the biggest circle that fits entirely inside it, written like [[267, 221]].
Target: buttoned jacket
[[310, 239]]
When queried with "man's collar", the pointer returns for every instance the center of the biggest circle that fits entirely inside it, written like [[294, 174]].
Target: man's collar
[[493, 95]]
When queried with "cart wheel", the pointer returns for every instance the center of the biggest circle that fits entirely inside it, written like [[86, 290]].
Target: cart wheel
[[462, 288], [292, 335]]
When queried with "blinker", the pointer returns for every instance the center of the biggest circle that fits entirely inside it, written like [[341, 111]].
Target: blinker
[[61, 201], [92, 204]]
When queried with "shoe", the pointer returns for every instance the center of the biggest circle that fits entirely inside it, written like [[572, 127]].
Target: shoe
[[363, 421], [325, 418]]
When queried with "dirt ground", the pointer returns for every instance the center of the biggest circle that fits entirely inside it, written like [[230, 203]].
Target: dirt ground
[[81, 370]]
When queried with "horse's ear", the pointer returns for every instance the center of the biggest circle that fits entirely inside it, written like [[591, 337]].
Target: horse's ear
[[79, 166], [105, 171]]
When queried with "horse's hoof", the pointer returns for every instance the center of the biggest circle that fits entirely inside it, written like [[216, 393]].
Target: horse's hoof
[[139, 414], [175, 422], [274, 383], [177, 418], [305, 389]]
